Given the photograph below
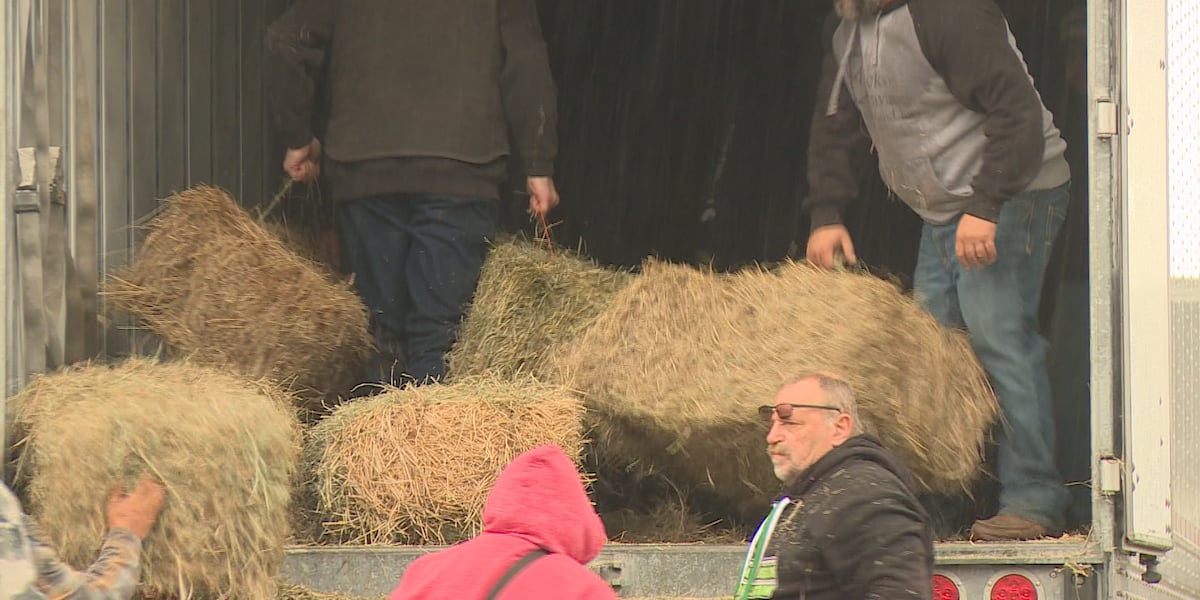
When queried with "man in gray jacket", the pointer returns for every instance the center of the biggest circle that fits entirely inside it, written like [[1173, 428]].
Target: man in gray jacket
[[940, 90]]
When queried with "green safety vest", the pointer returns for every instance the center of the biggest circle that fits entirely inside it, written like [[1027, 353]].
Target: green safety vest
[[760, 573]]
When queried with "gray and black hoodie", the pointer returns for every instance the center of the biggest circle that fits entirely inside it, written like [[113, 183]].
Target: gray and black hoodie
[[943, 94]]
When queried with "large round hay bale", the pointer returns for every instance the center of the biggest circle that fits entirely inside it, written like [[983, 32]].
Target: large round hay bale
[[673, 370], [227, 451], [221, 289], [415, 465], [528, 303]]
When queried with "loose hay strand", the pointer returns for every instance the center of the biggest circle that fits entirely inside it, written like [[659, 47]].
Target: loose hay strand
[[415, 465]]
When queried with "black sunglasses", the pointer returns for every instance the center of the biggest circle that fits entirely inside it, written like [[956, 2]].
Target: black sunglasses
[[785, 410]]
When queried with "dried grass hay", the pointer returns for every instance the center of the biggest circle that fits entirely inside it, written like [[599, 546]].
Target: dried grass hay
[[224, 291], [226, 450], [528, 303], [673, 370], [296, 592], [415, 465]]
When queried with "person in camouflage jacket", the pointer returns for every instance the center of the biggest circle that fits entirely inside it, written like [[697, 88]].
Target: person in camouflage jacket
[[31, 570]]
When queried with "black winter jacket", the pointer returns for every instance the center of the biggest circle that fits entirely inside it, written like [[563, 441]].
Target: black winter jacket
[[853, 530]]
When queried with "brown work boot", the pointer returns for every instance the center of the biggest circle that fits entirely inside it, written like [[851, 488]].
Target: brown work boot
[[1008, 528]]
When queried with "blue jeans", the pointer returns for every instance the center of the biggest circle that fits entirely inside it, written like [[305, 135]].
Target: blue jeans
[[998, 306], [416, 260]]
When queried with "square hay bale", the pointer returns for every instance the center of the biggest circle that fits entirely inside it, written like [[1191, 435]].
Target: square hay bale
[[227, 451], [415, 465], [527, 304], [224, 291], [672, 373]]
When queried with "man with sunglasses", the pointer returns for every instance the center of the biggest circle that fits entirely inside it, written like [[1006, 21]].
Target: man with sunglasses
[[848, 524]]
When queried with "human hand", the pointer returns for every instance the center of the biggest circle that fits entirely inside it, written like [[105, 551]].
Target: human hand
[[138, 510], [975, 242], [303, 164], [824, 243], [542, 195]]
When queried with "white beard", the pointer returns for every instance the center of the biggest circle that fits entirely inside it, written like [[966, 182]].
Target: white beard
[[854, 10]]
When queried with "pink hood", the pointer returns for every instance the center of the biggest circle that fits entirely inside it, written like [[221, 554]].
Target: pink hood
[[538, 501], [540, 497]]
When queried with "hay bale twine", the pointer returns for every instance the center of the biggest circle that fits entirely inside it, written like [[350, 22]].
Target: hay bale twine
[[224, 291], [226, 450], [528, 303], [415, 465], [672, 373]]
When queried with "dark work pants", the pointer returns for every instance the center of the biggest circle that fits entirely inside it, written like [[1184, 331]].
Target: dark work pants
[[416, 261]]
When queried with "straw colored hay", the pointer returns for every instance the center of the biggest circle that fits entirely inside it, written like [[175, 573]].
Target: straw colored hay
[[225, 449], [416, 465], [296, 592], [527, 304], [220, 288], [673, 370]]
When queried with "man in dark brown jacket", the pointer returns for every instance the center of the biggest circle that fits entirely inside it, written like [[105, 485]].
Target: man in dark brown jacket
[[424, 98]]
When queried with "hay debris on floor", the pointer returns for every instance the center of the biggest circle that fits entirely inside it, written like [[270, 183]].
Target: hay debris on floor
[[225, 449], [415, 465], [296, 592], [224, 291], [527, 304], [667, 523], [673, 370]]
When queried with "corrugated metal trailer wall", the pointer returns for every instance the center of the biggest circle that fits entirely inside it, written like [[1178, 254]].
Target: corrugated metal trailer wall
[[181, 103], [173, 92]]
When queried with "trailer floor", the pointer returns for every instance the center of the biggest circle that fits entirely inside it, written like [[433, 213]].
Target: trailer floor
[[648, 571]]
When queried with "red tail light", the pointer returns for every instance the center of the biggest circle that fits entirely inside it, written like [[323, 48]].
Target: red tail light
[[944, 588], [1014, 587]]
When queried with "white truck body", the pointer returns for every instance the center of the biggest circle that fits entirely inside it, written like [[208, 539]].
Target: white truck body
[[1144, 188]]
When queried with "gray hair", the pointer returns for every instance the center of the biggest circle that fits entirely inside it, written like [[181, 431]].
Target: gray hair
[[836, 393]]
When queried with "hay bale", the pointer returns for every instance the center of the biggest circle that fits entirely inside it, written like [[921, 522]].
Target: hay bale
[[224, 291], [673, 370], [416, 465], [226, 450], [527, 304]]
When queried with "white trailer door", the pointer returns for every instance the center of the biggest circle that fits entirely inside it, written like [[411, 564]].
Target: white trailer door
[[1144, 307]]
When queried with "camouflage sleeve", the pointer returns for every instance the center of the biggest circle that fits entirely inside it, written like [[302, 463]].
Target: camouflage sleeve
[[114, 575], [18, 577]]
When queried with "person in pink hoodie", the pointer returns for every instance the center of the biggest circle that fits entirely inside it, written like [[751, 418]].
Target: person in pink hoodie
[[539, 533]]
